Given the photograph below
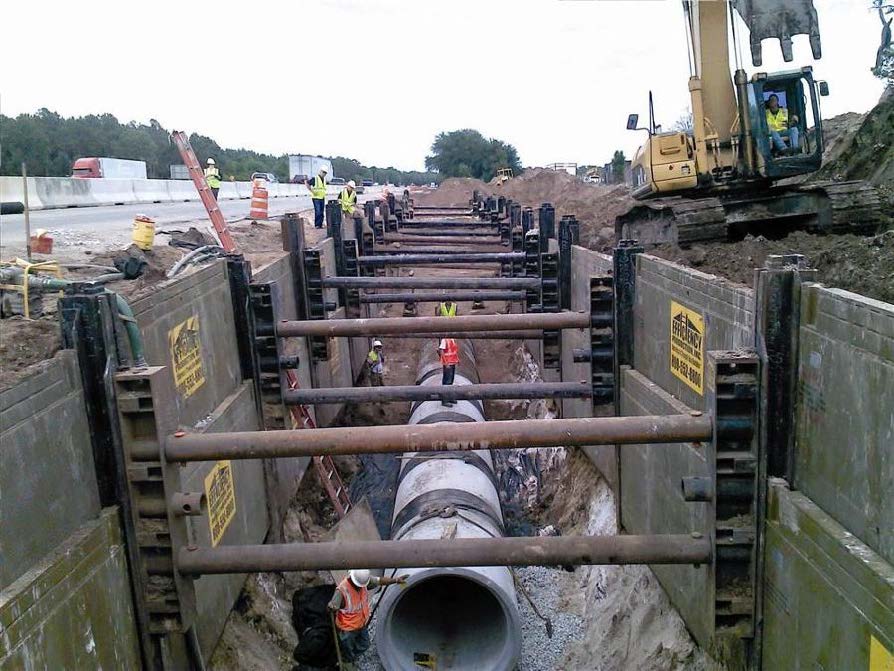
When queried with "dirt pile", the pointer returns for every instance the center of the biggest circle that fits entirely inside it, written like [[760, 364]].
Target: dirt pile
[[23, 343], [453, 191], [864, 265]]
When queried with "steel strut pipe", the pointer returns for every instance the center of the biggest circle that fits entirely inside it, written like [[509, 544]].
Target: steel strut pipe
[[512, 434], [480, 335], [383, 326], [469, 392], [445, 233], [512, 551], [437, 297], [431, 282], [439, 258], [444, 239]]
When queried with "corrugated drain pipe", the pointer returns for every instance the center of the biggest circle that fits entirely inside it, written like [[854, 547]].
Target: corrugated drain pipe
[[462, 617]]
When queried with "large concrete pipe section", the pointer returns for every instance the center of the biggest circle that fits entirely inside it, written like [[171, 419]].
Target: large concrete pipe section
[[464, 617]]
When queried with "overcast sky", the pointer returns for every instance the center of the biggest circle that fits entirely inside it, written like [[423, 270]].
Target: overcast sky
[[378, 79]]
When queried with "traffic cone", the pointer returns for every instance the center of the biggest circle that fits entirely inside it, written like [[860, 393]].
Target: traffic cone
[[258, 201]]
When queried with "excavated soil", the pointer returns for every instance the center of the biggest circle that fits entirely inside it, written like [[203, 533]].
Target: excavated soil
[[23, 344], [864, 265]]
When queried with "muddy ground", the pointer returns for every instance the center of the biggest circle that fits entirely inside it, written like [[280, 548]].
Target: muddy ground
[[24, 343]]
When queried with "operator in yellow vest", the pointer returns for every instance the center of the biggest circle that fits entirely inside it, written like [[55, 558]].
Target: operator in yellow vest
[[317, 187], [212, 177], [778, 121], [348, 199], [446, 309], [350, 602]]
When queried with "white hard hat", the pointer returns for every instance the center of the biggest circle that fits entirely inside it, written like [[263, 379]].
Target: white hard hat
[[210, 161], [324, 170], [377, 343], [352, 183], [359, 576]]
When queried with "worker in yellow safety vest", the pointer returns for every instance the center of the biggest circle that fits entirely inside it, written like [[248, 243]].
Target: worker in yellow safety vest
[[212, 177], [781, 125], [317, 187], [375, 362], [446, 309], [348, 199], [350, 603]]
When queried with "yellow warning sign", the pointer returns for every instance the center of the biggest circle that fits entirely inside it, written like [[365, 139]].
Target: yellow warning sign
[[880, 658], [220, 493], [186, 356], [687, 346]]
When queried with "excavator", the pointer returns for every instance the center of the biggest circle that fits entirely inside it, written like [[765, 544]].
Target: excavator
[[726, 176]]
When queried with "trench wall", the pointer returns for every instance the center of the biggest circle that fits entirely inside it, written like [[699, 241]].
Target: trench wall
[[64, 592], [829, 589], [828, 593]]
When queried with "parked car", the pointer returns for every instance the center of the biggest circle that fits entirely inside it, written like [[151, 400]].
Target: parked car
[[266, 176], [367, 182], [299, 179], [337, 181]]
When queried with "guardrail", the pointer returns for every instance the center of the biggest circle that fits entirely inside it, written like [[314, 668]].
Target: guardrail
[[47, 193]]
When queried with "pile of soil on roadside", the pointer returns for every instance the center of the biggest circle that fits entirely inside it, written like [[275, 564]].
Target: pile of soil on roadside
[[24, 343], [452, 191], [863, 265]]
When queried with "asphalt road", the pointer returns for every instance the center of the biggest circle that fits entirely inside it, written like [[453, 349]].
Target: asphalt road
[[111, 225]]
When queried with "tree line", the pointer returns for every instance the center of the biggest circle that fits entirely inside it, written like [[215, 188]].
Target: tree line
[[49, 143], [467, 153]]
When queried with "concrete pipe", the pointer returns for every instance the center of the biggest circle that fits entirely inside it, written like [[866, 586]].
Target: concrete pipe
[[465, 617]]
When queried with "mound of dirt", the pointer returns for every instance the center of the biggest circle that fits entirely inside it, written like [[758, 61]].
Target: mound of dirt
[[453, 191], [864, 265], [23, 343]]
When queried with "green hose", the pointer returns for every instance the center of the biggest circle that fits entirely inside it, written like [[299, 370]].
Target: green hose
[[133, 332]]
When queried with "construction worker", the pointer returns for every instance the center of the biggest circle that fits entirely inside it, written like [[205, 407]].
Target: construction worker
[[449, 354], [317, 188], [350, 603], [778, 123], [375, 362], [446, 309], [212, 177], [348, 199]]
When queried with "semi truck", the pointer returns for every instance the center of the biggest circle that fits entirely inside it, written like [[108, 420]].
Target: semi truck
[[302, 167], [108, 168]]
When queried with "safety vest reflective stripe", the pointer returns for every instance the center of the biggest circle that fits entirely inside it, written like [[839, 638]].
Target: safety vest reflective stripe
[[777, 122], [318, 190], [354, 613], [445, 311], [348, 200], [450, 353], [212, 176]]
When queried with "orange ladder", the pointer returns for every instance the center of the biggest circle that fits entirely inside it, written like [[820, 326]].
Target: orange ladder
[[326, 469], [208, 199]]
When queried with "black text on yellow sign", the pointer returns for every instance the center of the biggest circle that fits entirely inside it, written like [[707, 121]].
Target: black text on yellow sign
[[687, 346], [220, 493], [186, 356]]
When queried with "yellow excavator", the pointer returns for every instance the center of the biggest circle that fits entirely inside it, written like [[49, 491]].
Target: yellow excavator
[[719, 179]]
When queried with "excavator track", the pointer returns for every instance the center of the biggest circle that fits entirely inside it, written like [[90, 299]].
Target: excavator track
[[821, 207]]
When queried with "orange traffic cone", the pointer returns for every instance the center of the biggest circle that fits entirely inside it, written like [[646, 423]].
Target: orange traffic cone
[[258, 201]]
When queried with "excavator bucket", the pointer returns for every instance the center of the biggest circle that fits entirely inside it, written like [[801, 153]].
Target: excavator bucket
[[781, 19]]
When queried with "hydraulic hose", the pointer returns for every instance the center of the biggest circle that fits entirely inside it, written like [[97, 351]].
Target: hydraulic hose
[[133, 332]]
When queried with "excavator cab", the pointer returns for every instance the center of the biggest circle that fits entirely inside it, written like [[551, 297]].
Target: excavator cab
[[798, 150]]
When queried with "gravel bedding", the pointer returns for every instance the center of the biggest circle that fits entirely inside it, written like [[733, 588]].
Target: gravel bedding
[[539, 652]]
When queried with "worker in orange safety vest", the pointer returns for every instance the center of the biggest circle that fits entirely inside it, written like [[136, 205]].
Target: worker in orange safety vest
[[448, 350], [350, 603]]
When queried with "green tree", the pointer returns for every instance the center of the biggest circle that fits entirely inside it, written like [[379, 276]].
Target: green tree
[[884, 60], [619, 162], [50, 143], [467, 153]]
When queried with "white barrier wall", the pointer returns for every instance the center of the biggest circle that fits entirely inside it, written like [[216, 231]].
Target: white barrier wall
[[46, 193]]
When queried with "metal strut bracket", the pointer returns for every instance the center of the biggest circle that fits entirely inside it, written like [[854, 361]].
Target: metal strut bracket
[[313, 270], [602, 339]]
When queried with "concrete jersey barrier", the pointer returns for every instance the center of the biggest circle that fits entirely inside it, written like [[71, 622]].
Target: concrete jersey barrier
[[47, 193]]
